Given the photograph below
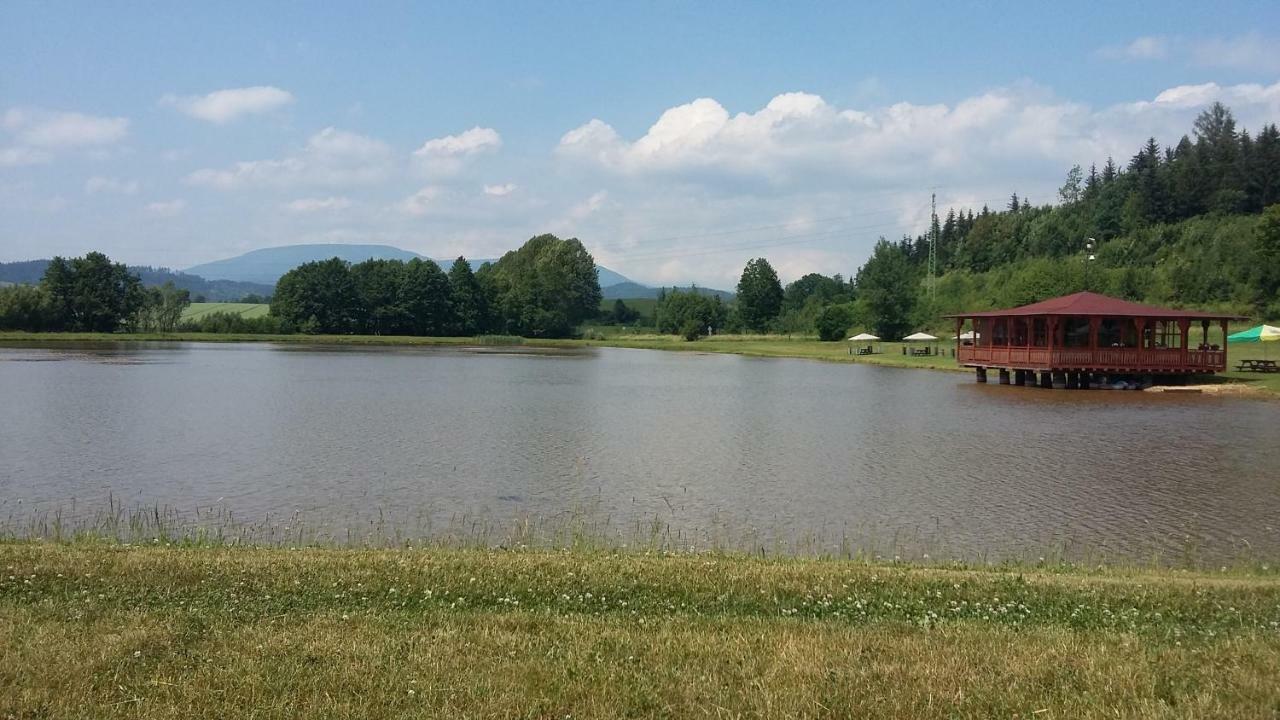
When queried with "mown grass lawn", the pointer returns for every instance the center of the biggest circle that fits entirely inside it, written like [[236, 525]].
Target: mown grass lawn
[[195, 311], [155, 632]]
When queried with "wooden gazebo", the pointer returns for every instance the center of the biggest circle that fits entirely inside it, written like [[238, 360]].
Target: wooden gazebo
[[1071, 339]]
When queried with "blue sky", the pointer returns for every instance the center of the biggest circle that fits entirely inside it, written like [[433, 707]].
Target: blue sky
[[677, 140]]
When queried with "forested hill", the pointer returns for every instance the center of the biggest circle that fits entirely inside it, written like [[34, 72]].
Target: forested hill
[[1181, 224], [29, 272]]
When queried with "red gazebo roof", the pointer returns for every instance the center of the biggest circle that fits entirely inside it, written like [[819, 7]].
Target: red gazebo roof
[[1088, 303]]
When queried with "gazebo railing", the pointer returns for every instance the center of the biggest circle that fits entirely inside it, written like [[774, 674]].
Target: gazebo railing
[[1103, 358]]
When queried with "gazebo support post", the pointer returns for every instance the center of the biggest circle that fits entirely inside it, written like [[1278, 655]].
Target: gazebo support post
[[1046, 379], [981, 374], [1004, 376]]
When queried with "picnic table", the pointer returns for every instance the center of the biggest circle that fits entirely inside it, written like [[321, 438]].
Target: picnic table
[[1264, 366]]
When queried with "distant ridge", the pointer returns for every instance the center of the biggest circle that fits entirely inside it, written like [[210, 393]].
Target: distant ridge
[[29, 272], [268, 264], [635, 291]]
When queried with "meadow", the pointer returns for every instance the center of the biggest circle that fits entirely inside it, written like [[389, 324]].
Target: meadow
[[161, 632], [195, 311]]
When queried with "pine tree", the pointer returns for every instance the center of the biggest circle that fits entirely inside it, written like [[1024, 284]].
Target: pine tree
[[1109, 171]]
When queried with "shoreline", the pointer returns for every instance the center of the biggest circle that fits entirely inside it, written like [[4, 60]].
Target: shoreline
[[760, 346], [155, 631]]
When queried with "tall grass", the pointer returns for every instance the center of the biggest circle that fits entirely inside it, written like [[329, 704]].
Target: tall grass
[[584, 528]]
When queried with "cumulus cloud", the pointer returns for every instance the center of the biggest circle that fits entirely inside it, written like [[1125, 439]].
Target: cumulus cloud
[[499, 190], [168, 209], [223, 106], [473, 141], [34, 128], [97, 184], [330, 157], [310, 205], [798, 140], [421, 202]]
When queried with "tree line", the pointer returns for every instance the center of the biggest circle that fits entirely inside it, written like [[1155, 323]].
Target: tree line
[[546, 288], [91, 294]]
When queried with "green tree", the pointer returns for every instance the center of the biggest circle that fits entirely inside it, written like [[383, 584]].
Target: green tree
[[319, 297], [24, 307], [162, 308], [544, 289], [378, 283], [91, 294], [833, 322], [887, 286], [759, 295], [1267, 264], [689, 313], [424, 295], [470, 303]]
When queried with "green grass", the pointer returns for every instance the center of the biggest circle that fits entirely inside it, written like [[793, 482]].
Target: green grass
[[779, 346], [195, 311], [158, 632]]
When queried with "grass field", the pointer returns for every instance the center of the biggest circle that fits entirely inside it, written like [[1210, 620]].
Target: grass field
[[195, 311], [155, 632]]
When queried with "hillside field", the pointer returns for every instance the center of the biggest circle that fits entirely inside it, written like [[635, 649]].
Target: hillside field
[[195, 311]]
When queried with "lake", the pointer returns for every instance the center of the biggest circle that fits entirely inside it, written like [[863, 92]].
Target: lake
[[360, 444]]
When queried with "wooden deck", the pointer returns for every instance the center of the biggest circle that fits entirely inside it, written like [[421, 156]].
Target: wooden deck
[[1114, 360]]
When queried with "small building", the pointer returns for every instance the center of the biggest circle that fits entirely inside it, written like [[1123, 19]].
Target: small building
[[1072, 340]]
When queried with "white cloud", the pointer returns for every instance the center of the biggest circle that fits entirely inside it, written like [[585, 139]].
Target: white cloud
[[171, 208], [1252, 52], [223, 106], [310, 205], [475, 140], [18, 156], [701, 167], [1147, 47], [58, 130], [421, 202], [499, 190], [331, 157], [97, 184]]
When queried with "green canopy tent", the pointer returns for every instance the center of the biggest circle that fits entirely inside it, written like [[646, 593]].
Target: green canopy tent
[[1260, 334]]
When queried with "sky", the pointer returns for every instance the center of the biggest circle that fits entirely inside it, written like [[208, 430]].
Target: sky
[[676, 140]]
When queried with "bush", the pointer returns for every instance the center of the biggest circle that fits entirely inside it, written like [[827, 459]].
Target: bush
[[691, 329], [833, 322], [24, 307], [234, 323]]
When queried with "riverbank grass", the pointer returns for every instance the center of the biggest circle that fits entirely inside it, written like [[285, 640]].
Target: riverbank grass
[[157, 632], [888, 354]]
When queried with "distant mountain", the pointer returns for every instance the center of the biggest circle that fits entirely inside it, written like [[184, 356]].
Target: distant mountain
[[635, 291], [256, 272], [268, 264], [29, 272]]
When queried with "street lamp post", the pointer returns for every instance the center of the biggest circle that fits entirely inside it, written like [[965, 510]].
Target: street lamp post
[[1089, 246]]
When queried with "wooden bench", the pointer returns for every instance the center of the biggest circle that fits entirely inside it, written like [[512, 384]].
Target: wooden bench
[[1263, 366]]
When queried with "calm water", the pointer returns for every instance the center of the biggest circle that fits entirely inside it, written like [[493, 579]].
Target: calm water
[[704, 447]]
